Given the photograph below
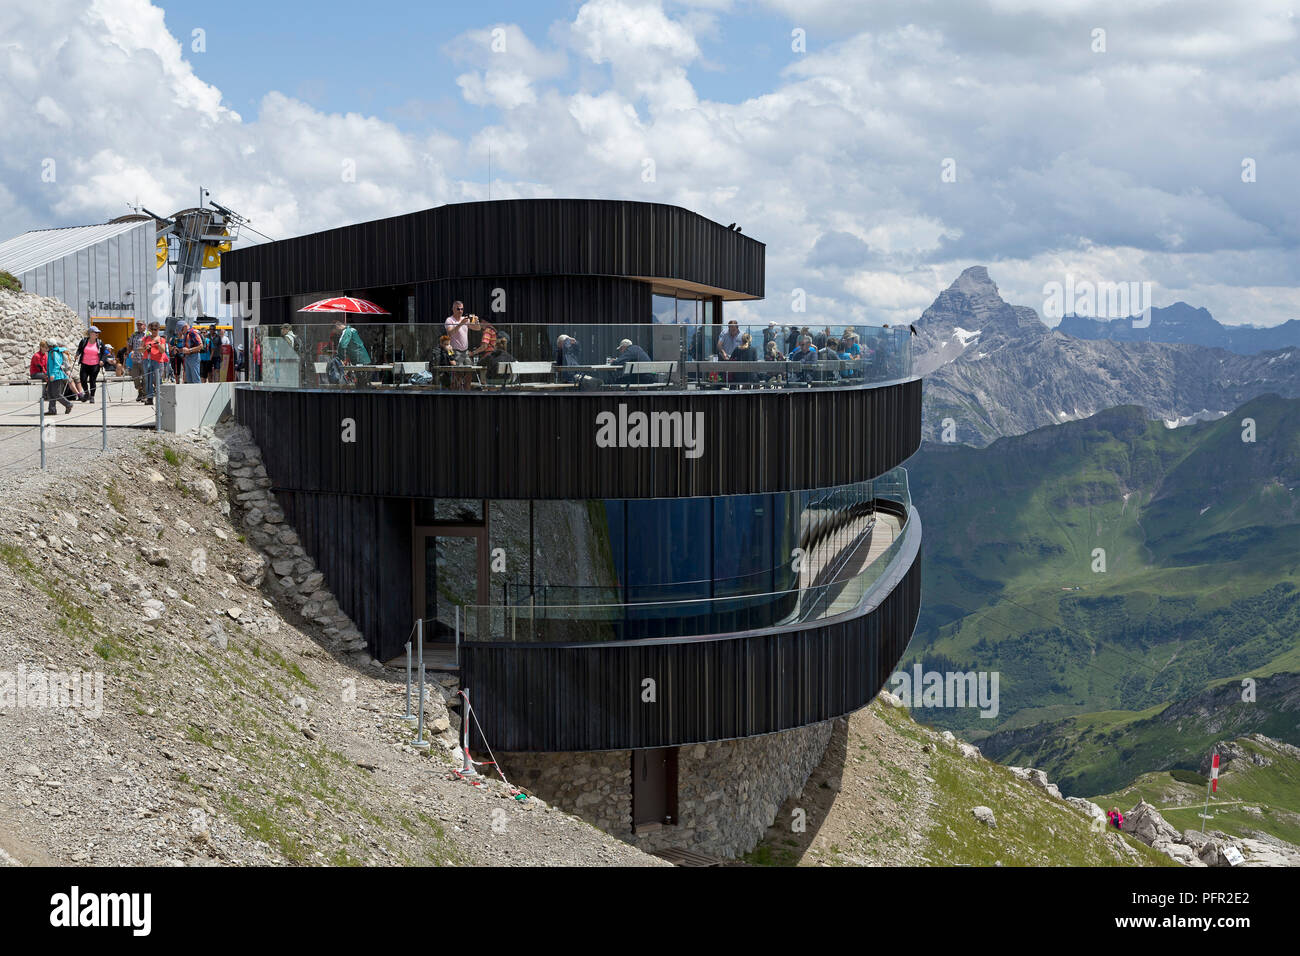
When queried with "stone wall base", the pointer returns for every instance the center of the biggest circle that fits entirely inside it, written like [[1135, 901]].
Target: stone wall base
[[728, 792]]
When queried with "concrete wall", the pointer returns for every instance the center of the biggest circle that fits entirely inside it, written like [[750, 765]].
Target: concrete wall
[[186, 407], [728, 792]]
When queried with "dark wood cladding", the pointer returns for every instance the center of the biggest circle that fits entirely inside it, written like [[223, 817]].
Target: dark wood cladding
[[518, 237], [590, 698], [362, 546], [530, 445], [550, 299]]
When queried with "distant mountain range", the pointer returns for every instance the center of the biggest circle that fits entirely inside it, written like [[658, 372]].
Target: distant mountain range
[[1198, 530], [1182, 323], [993, 369]]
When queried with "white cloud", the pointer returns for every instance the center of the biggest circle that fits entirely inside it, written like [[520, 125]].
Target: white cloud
[[1123, 165]]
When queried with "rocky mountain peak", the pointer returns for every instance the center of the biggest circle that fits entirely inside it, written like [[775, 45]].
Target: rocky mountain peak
[[975, 283]]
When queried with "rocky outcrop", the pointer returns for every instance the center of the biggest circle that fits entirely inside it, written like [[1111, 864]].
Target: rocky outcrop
[[26, 319], [995, 369], [283, 566], [1038, 778], [1193, 848]]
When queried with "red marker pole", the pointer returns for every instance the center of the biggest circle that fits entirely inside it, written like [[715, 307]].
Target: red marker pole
[[1211, 786]]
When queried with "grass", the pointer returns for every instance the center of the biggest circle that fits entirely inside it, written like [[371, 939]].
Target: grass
[[116, 498], [10, 282], [1273, 790]]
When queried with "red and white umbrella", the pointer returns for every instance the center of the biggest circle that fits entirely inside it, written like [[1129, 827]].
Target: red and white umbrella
[[346, 303]]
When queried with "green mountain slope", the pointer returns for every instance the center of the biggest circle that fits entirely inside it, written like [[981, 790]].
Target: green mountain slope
[[1200, 536], [1259, 792], [1103, 751]]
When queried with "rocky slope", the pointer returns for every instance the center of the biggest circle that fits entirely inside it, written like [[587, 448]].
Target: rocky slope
[[239, 722], [25, 319], [891, 792], [995, 369], [1256, 807]]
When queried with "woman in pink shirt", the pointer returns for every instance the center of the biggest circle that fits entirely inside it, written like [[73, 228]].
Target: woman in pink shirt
[[89, 352]]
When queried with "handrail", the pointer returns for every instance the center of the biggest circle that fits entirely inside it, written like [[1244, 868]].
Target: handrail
[[615, 621], [577, 356]]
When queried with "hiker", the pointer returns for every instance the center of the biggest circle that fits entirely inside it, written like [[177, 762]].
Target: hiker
[[1115, 818], [135, 358], [90, 356], [154, 346], [190, 347], [57, 364]]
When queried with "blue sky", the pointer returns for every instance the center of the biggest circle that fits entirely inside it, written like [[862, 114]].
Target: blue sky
[[387, 58], [1095, 140]]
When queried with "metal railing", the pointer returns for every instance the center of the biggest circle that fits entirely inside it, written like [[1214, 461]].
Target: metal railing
[[848, 583]]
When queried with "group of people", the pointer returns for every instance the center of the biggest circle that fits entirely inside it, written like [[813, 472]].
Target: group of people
[[471, 348], [802, 346], [468, 343], [51, 365], [192, 355]]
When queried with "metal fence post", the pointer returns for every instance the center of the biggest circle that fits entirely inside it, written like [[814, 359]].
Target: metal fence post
[[104, 406], [467, 764], [408, 716], [419, 742], [157, 396], [41, 426]]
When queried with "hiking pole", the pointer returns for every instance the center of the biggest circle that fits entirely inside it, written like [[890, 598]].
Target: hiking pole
[[419, 742]]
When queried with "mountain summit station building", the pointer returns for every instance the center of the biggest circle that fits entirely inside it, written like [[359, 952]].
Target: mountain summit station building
[[663, 572]]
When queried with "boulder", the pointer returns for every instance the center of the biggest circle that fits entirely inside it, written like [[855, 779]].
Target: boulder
[[252, 570], [155, 555], [985, 816], [1181, 852], [1094, 813], [1145, 822]]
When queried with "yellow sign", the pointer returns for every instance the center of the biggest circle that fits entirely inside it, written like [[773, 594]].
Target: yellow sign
[[162, 252]]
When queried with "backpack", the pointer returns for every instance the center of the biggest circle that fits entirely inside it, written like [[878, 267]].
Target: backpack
[[334, 370]]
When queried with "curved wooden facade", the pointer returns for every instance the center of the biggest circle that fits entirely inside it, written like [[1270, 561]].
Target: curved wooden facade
[[576, 260], [570, 698], [348, 464], [543, 445]]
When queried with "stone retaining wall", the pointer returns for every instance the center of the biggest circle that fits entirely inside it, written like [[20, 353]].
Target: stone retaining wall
[[25, 319], [728, 792]]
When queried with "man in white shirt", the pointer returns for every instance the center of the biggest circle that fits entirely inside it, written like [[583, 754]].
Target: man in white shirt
[[458, 325]]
